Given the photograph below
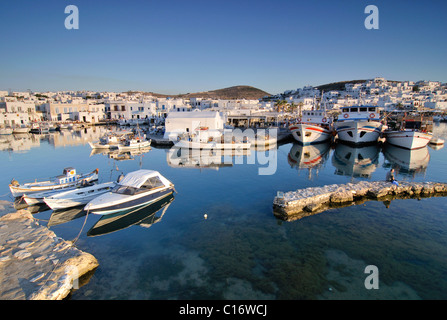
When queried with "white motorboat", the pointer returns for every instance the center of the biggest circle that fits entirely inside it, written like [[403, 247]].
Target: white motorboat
[[21, 129], [68, 179], [77, 197], [359, 125], [37, 197], [410, 133], [314, 126], [110, 140], [136, 190], [134, 143], [5, 130]]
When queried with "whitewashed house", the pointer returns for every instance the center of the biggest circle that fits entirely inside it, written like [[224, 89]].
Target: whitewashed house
[[177, 123]]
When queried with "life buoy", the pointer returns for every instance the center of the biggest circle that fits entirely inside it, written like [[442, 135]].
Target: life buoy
[[372, 115], [346, 116], [324, 120]]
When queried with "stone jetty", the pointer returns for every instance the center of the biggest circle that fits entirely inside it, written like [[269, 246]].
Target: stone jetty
[[35, 264], [297, 204]]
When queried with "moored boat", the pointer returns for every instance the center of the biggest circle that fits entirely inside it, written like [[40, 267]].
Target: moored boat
[[136, 190], [314, 126], [359, 125], [410, 132], [77, 197], [68, 179]]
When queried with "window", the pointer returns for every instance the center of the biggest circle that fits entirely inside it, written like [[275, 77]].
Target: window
[[372, 109], [152, 183], [363, 109], [354, 109]]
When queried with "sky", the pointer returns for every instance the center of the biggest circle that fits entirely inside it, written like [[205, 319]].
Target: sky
[[183, 46]]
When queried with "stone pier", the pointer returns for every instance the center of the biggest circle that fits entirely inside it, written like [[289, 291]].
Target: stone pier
[[297, 204], [35, 264]]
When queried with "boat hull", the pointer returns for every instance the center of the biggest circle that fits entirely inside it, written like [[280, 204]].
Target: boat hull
[[135, 146], [408, 139], [111, 203], [78, 197], [310, 133], [358, 132], [34, 187]]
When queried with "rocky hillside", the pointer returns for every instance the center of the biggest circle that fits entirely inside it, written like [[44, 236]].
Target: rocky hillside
[[236, 92]]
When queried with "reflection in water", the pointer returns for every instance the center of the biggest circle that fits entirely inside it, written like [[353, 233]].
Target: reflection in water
[[120, 155], [144, 217], [406, 162], [355, 161], [308, 156], [215, 159], [66, 215]]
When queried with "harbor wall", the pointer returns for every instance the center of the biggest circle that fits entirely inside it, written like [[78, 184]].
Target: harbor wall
[[300, 203]]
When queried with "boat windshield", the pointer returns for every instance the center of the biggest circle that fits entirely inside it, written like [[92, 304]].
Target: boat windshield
[[149, 184], [124, 190]]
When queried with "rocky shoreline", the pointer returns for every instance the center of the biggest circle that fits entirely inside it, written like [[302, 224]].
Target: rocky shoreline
[[35, 264], [300, 203]]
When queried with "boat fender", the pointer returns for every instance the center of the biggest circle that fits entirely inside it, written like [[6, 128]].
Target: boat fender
[[14, 182], [120, 177], [96, 170]]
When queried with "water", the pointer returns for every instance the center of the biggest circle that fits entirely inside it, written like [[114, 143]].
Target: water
[[241, 251]]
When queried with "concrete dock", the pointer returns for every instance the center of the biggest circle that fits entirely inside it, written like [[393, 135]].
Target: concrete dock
[[300, 203], [35, 264]]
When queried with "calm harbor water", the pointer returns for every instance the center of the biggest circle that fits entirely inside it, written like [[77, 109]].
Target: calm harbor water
[[241, 251]]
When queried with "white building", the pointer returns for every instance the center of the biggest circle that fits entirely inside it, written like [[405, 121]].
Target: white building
[[181, 122]]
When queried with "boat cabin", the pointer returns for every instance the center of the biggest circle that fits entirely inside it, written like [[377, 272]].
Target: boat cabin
[[315, 116], [68, 175], [360, 113], [141, 181]]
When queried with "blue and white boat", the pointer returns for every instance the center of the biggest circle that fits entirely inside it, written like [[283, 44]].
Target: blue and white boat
[[359, 125], [136, 190]]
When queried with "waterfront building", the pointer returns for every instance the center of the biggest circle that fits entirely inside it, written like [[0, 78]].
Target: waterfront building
[[187, 122]]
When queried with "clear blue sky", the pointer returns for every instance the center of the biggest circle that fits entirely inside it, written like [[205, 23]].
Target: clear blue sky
[[189, 46]]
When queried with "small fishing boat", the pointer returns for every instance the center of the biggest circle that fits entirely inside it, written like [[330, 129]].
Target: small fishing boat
[[314, 126], [136, 190], [410, 132], [68, 179], [5, 130], [359, 125], [110, 140], [37, 197], [20, 129], [137, 142], [77, 197]]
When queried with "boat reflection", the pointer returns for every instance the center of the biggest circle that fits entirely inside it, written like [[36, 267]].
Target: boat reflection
[[66, 215], [214, 159], [359, 162], [120, 155], [144, 217], [310, 157], [404, 161]]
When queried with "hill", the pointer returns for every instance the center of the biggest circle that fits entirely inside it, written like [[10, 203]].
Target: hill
[[235, 92]]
